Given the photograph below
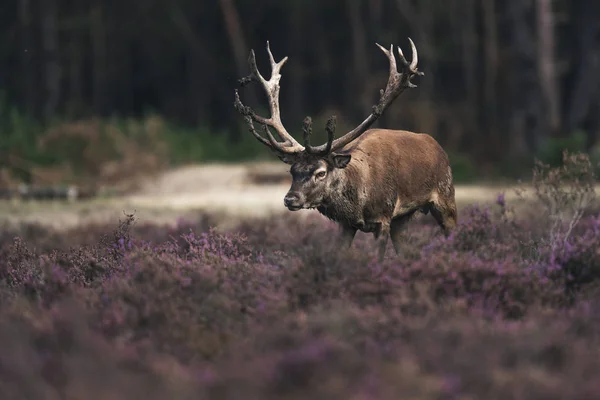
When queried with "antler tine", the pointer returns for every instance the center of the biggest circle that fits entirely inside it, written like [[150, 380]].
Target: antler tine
[[307, 130], [397, 83], [254, 72], [390, 54], [271, 88], [247, 113], [275, 66], [250, 117], [275, 145], [415, 58], [330, 128]]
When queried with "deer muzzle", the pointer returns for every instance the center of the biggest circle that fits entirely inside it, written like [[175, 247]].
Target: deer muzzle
[[293, 201]]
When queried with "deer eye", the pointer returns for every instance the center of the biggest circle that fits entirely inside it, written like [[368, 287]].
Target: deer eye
[[320, 174]]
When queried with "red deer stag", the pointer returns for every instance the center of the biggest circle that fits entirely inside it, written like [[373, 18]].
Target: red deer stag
[[373, 180]]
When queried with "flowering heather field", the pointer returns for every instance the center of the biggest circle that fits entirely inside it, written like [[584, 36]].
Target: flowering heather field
[[507, 307]]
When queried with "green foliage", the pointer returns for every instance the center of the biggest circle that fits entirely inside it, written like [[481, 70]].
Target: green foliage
[[463, 168], [595, 157], [86, 149], [17, 147], [203, 145], [513, 167], [552, 150], [102, 149]]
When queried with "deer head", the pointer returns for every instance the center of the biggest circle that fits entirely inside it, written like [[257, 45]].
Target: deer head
[[315, 169]]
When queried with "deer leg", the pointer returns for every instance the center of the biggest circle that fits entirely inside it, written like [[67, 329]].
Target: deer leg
[[445, 215], [396, 227], [347, 236], [382, 234]]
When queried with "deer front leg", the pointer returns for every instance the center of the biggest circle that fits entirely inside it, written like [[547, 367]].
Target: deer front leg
[[347, 236], [382, 234], [397, 226]]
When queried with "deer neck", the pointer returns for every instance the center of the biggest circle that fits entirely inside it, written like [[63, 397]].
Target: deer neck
[[342, 203]]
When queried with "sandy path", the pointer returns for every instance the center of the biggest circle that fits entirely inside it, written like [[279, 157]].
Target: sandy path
[[227, 187], [184, 192]]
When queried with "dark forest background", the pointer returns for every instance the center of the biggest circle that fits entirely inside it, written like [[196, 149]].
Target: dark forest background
[[103, 88]]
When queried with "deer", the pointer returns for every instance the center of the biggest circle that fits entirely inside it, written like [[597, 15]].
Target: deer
[[370, 180]]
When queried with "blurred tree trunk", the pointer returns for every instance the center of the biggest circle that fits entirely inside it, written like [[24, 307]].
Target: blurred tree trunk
[[585, 84], [52, 67], [27, 76], [376, 12], [546, 63], [490, 47], [469, 49], [240, 53], [99, 57], [296, 93], [527, 120], [360, 70], [421, 22], [75, 101], [199, 63], [76, 50], [466, 24], [524, 67], [236, 35]]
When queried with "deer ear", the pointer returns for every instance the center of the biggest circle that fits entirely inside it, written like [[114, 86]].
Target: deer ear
[[341, 160], [286, 158]]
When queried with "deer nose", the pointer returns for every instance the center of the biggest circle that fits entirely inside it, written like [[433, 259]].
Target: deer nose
[[291, 199]]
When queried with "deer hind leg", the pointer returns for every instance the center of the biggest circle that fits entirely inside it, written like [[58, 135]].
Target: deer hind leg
[[444, 212], [397, 227]]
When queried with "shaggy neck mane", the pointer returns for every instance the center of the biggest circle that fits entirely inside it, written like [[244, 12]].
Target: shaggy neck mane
[[342, 203]]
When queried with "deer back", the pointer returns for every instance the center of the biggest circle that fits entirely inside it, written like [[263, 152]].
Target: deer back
[[394, 166]]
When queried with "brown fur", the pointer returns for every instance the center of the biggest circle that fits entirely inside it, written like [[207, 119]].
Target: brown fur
[[371, 180], [391, 175]]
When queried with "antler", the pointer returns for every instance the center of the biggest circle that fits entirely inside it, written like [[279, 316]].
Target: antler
[[398, 82], [330, 128], [289, 145]]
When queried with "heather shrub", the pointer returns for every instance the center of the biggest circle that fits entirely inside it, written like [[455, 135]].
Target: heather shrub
[[342, 352], [564, 193], [579, 257], [183, 304], [53, 354], [564, 239], [507, 306], [480, 232]]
